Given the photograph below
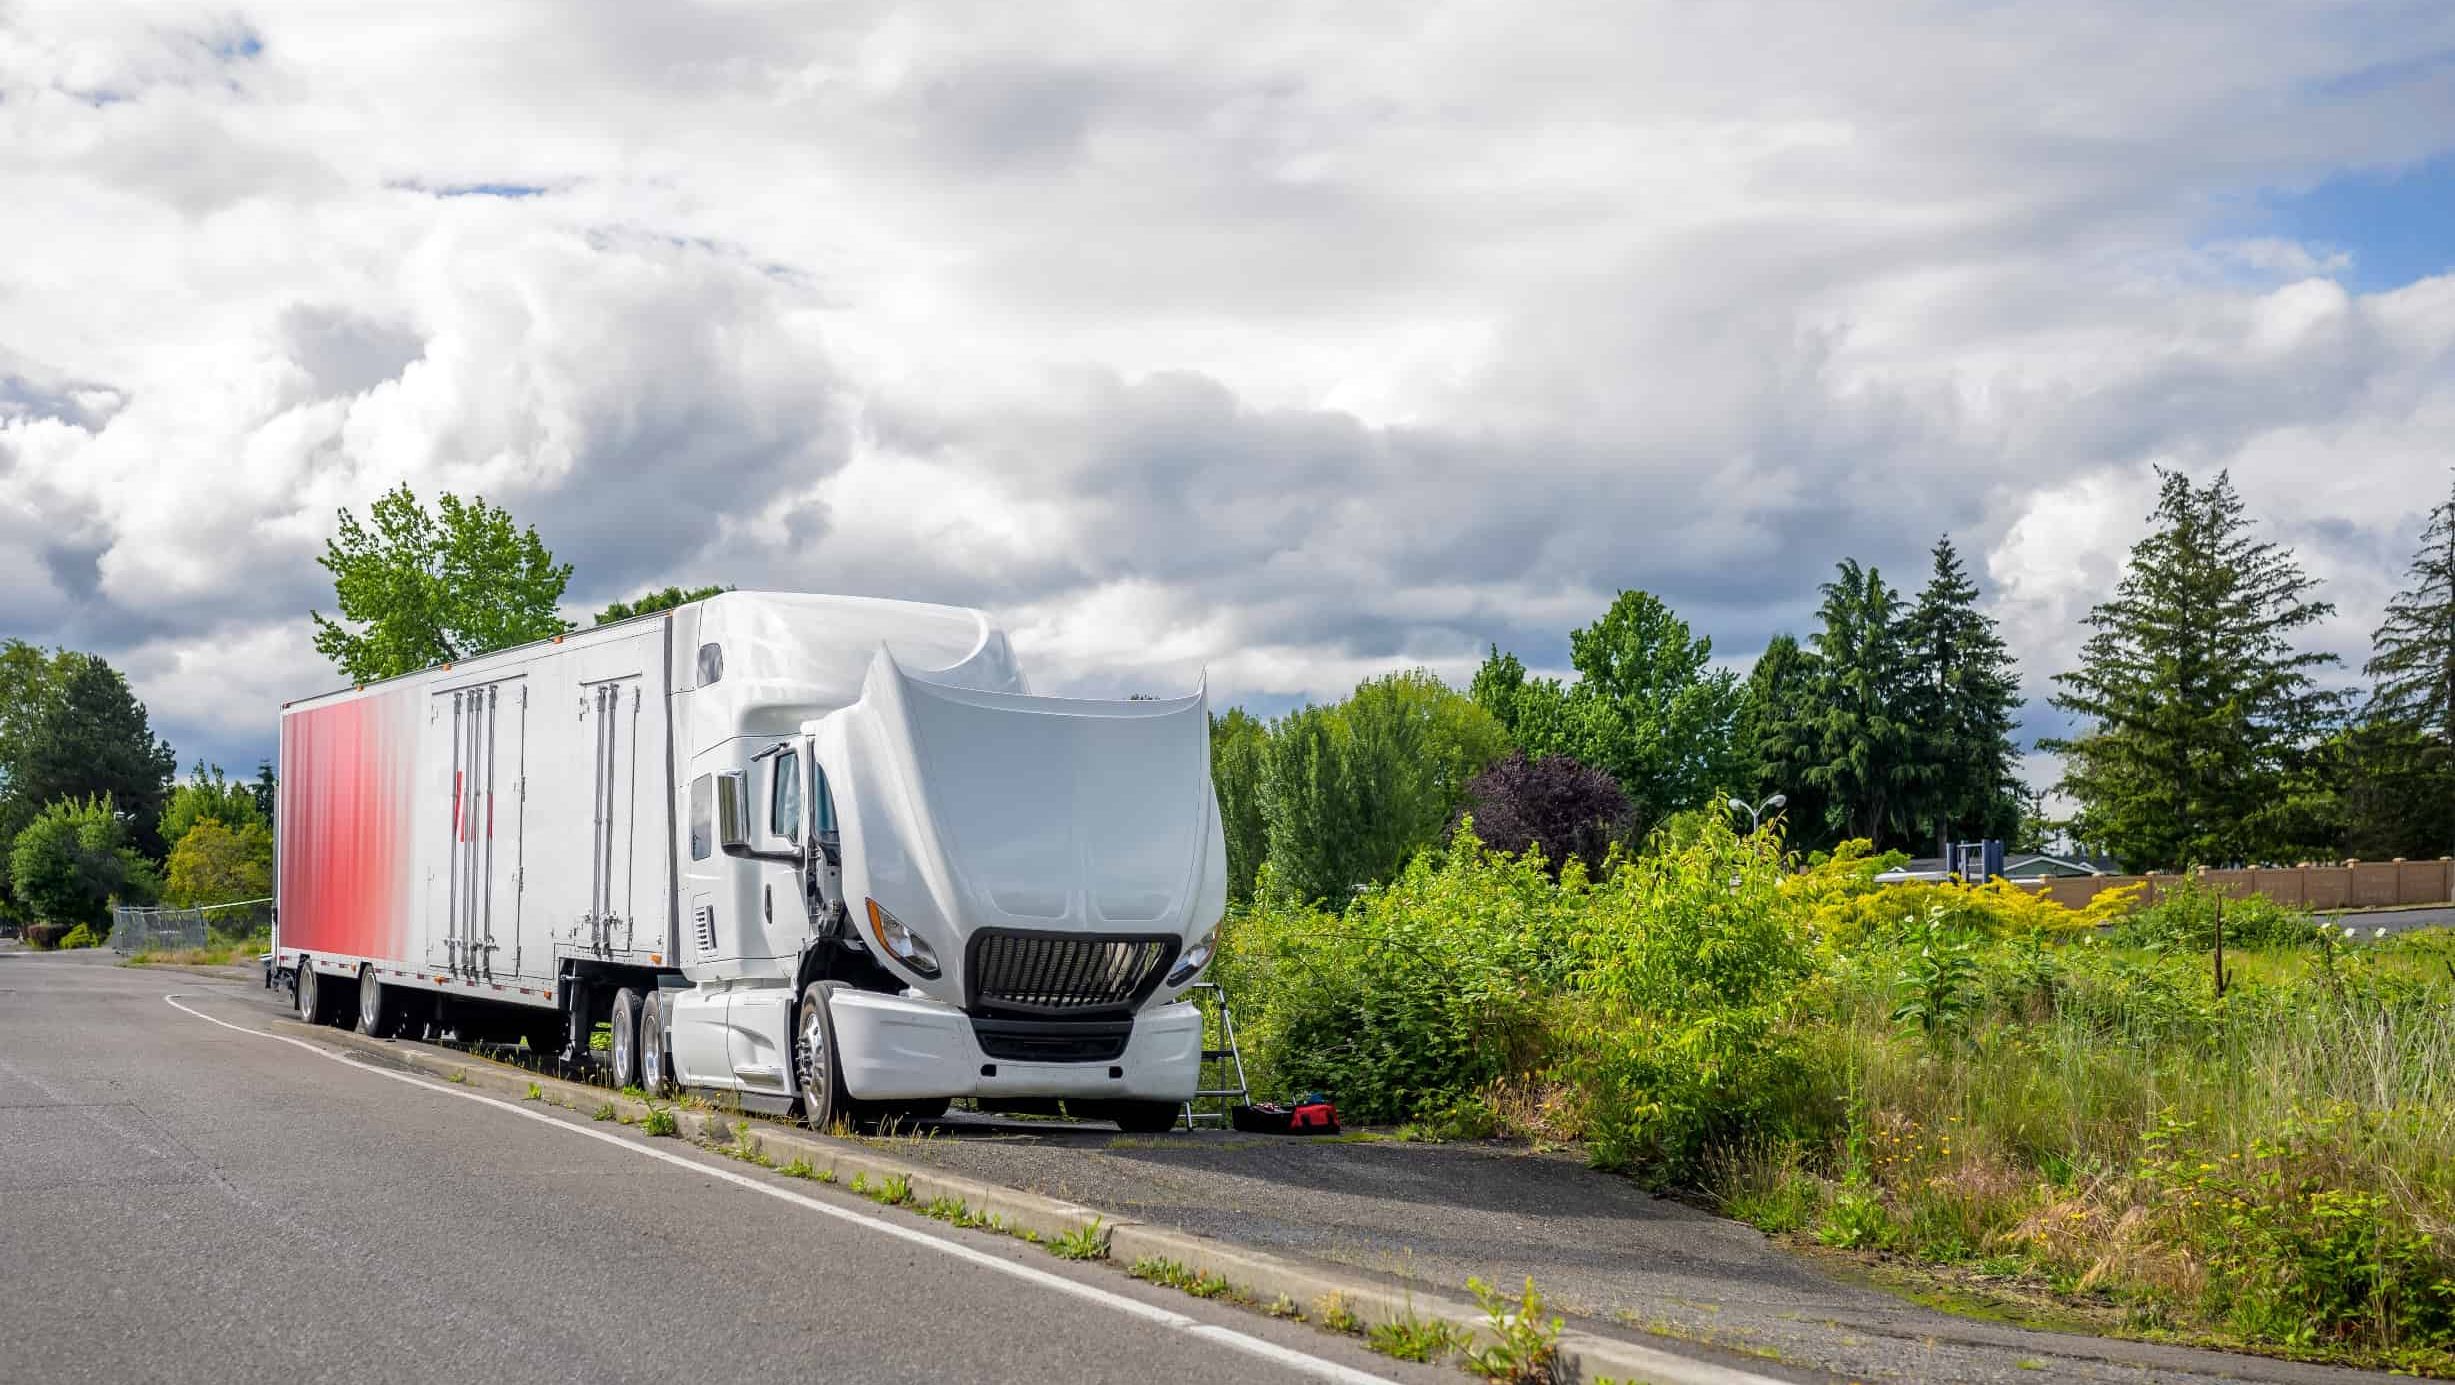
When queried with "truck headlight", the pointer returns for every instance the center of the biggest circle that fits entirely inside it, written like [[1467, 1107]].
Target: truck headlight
[[1195, 958], [901, 943]]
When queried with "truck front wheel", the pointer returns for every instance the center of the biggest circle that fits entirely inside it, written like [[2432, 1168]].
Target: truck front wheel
[[824, 1102], [1145, 1117]]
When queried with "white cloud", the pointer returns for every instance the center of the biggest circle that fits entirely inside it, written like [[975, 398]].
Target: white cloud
[[1290, 342]]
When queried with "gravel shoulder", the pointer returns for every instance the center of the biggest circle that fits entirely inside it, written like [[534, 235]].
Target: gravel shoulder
[[1615, 1259]]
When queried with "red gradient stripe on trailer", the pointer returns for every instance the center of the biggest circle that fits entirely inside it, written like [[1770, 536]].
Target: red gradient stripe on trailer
[[347, 785]]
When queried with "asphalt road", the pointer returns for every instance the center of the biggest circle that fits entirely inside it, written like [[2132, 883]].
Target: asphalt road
[[182, 1201], [2396, 921]]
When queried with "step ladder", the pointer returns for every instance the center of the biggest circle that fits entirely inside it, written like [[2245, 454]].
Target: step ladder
[[1222, 1080]]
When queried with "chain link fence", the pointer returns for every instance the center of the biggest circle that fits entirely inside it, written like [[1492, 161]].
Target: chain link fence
[[165, 929]]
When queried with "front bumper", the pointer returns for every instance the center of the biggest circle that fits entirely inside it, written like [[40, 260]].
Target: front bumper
[[899, 1048]]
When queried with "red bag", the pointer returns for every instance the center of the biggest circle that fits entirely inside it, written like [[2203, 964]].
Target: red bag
[[1313, 1115]]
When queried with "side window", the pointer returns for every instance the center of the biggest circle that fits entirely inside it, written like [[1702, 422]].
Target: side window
[[822, 809], [711, 664], [702, 816], [784, 799]]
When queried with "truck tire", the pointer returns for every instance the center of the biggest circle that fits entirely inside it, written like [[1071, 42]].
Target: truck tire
[[379, 1006], [622, 1055], [1145, 1117], [655, 1050], [824, 1102], [315, 999]]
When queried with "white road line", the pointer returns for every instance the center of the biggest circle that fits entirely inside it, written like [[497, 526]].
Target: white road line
[[1132, 1307]]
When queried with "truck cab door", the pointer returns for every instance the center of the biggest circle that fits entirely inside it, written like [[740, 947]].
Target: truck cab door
[[784, 821]]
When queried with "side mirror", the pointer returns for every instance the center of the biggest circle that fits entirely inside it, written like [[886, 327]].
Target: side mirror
[[733, 821]]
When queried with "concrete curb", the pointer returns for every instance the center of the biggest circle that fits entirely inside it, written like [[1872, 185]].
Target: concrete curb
[[1256, 1276]]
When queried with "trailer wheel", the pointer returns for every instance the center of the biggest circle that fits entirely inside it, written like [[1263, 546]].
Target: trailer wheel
[[623, 1052], [655, 1066], [379, 1006], [824, 1102], [316, 1002]]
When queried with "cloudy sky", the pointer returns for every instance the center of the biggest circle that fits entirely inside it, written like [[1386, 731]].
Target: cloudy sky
[[1298, 341]]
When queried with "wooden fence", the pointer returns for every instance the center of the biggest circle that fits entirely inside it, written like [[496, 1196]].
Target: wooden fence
[[2351, 885]]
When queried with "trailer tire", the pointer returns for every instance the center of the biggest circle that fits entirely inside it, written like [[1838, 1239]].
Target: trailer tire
[[622, 1055], [315, 999], [816, 1066], [655, 1049], [379, 1006]]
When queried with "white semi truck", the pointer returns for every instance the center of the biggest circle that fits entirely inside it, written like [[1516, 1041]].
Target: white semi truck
[[828, 854]]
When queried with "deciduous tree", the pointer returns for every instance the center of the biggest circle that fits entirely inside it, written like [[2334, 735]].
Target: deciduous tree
[[206, 794], [1238, 743], [215, 863], [657, 601], [74, 859], [1556, 804], [423, 587]]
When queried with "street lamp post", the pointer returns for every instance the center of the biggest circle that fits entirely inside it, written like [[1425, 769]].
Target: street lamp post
[[1755, 815]]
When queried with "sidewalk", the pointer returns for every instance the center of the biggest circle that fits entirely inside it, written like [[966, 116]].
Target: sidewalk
[[1614, 1259]]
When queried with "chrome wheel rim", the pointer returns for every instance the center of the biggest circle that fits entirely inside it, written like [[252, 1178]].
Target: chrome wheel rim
[[622, 1048], [306, 992], [370, 997], [651, 1049], [810, 1061]]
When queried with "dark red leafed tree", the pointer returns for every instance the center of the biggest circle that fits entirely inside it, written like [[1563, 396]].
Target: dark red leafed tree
[[1555, 803]]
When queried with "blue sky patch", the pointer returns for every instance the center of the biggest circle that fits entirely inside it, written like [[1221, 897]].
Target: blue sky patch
[[2397, 226]]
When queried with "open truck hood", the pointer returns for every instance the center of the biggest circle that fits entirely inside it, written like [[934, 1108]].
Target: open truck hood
[[970, 808]]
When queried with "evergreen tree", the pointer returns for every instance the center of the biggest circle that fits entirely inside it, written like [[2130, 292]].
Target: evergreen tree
[[2200, 712], [1777, 740], [266, 789], [1864, 751], [2411, 712], [1961, 704], [85, 736]]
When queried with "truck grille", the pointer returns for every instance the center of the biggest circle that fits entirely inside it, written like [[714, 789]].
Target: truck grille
[[1063, 973]]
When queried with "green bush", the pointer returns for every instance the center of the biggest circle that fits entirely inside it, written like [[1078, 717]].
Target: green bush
[[74, 859], [83, 935], [1417, 997], [1951, 1073], [2184, 916]]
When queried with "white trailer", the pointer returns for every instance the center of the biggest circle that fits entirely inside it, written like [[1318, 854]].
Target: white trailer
[[826, 853]]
